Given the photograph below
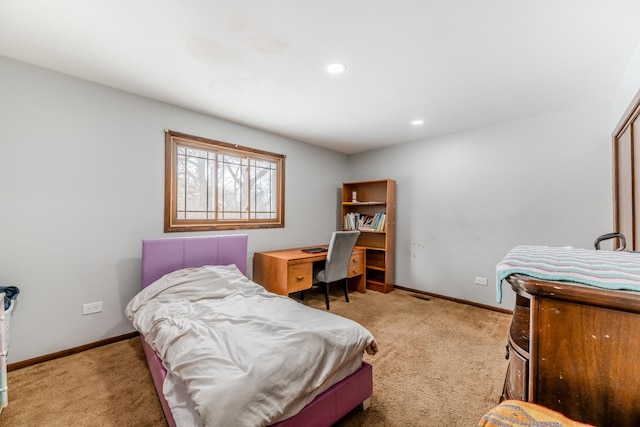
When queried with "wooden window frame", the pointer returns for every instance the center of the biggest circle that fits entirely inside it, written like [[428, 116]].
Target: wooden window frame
[[173, 140]]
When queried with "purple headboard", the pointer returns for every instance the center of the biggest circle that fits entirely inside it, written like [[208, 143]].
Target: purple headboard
[[162, 256]]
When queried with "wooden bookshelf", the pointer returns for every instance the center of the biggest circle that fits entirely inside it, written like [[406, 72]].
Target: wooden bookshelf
[[374, 198]]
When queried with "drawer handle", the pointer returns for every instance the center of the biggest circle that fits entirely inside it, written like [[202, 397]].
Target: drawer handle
[[506, 353], [299, 278]]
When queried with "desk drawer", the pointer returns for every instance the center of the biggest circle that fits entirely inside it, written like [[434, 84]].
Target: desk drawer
[[356, 264], [299, 277]]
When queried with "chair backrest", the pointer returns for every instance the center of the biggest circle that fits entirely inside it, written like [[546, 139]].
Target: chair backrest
[[339, 254]]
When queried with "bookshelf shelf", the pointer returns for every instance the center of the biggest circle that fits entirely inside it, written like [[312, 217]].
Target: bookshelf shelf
[[363, 203], [376, 209]]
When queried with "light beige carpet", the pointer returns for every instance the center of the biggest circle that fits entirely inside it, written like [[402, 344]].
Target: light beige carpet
[[440, 363]]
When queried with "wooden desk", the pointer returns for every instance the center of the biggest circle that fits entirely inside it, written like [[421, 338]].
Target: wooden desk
[[291, 270]]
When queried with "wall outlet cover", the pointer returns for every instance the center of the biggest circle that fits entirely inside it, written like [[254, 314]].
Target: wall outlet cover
[[92, 307], [482, 281]]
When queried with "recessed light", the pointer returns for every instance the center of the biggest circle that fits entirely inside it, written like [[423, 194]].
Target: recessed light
[[417, 122], [336, 68]]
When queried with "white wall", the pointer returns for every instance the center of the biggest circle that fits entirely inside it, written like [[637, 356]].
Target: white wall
[[629, 87], [464, 200], [81, 183]]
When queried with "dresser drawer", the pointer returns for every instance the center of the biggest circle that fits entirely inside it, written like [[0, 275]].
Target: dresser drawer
[[299, 277], [356, 264], [517, 380]]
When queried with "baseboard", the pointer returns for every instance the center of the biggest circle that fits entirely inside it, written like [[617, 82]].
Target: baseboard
[[461, 301], [69, 352]]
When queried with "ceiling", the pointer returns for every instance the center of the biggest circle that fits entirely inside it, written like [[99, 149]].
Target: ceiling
[[457, 64]]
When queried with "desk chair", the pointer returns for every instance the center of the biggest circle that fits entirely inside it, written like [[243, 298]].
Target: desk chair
[[337, 264]]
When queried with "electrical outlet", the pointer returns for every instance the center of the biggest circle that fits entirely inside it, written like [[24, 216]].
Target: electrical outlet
[[92, 307], [482, 281]]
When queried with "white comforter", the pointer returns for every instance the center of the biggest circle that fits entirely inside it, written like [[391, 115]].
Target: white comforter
[[246, 356]]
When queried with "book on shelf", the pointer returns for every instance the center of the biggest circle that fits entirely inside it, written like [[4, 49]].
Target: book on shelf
[[357, 221]]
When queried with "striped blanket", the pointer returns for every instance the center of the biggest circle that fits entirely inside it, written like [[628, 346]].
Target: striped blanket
[[602, 269]]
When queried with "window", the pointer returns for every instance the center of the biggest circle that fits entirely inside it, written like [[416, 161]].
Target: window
[[213, 185]]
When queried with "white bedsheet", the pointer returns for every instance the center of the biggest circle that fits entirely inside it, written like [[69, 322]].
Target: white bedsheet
[[247, 357]]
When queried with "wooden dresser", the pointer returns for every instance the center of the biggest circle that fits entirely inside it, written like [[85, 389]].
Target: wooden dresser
[[575, 349]]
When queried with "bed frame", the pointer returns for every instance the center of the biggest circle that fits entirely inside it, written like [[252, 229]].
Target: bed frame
[[162, 256]]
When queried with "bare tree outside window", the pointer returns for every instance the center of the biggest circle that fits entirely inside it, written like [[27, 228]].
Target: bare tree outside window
[[214, 185]]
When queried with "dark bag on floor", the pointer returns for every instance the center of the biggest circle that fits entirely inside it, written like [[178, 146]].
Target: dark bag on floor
[[10, 293]]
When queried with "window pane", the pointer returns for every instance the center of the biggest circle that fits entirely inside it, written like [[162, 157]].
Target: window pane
[[196, 215], [211, 196], [180, 180], [264, 189], [193, 183], [196, 185], [193, 152], [232, 188]]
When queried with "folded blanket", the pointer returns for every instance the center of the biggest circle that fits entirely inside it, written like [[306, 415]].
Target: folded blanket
[[602, 269]]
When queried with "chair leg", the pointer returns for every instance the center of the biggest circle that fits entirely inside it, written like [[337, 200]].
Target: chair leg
[[346, 290], [326, 294]]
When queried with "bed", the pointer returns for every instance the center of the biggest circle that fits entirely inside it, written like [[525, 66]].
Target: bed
[[162, 258]]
